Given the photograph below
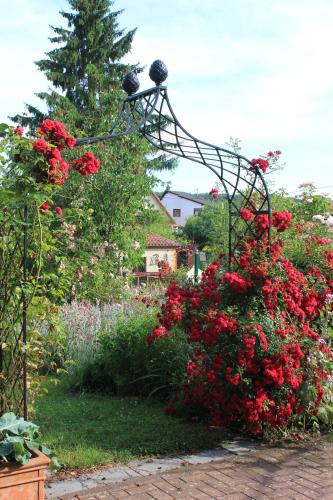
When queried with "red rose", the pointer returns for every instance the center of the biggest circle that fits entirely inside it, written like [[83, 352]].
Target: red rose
[[86, 164], [18, 131], [260, 163], [40, 145], [58, 211], [246, 215], [45, 206], [70, 141], [214, 192]]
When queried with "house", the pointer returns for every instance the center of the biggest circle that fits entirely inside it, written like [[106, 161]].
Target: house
[[160, 249], [181, 205], [158, 205]]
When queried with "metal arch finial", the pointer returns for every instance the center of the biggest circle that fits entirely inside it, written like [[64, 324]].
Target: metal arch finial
[[158, 72], [130, 83]]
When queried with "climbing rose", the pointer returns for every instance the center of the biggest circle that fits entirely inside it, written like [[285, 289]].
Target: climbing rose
[[18, 131], [58, 171], [56, 133], [281, 220], [237, 282], [214, 192], [70, 141], [86, 164], [262, 222], [40, 145], [260, 163], [45, 206], [246, 215]]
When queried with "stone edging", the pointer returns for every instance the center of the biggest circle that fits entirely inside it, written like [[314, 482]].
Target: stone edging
[[141, 468]]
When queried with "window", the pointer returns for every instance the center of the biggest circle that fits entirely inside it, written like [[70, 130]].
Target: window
[[176, 212], [197, 211]]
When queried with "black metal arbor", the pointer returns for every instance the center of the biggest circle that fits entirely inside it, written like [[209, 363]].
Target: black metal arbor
[[150, 114]]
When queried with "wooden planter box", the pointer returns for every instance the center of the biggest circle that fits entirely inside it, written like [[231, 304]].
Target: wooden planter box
[[24, 482]]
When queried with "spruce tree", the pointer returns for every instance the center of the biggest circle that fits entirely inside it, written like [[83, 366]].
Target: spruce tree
[[87, 65]]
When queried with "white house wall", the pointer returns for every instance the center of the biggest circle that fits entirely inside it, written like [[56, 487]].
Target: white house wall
[[172, 201], [153, 255]]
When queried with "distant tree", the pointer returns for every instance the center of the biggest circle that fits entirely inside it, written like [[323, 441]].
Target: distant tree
[[209, 229]]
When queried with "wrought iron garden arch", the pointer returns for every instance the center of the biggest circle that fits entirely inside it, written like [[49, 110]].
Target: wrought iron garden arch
[[150, 113]]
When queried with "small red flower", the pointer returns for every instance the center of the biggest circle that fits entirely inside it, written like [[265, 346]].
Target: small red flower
[[18, 131], [86, 164], [214, 193], [58, 211], [40, 145], [70, 141], [45, 206], [246, 215], [260, 163]]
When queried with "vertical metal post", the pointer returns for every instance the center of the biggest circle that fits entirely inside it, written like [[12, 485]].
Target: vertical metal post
[[229, 238], [24, 311], [196, 265]]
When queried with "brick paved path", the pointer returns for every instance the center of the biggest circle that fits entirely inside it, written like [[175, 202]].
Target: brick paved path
[[295, 472]]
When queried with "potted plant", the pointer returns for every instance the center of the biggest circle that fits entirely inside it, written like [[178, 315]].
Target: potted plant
[[23, 459]]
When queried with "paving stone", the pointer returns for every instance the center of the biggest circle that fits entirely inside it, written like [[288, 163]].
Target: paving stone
[[240, 448], [62, 488], [273, 473], [154, 466], [205, 456]]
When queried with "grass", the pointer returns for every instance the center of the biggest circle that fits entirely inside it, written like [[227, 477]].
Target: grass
[[89, 430]]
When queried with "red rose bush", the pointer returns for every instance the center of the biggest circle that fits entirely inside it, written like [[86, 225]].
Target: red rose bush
[[257, 357]]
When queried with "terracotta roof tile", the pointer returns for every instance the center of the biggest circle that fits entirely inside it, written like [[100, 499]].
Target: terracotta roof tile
[[155, 240]]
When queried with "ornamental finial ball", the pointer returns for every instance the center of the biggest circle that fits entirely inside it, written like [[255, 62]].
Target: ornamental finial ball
[[158, 72], [130, 83]]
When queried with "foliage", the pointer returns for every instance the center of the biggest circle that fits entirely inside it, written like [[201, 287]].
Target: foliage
[[309, 240], [32, 170], [89, 78], [209, 229], [259, 344], [134, 367], [18, 439], [94, 429], [105, 349]]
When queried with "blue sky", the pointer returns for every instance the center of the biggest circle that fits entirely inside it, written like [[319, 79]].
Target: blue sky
[[257, 70]]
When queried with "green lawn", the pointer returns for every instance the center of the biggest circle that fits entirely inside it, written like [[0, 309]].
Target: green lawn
[[88, 430]]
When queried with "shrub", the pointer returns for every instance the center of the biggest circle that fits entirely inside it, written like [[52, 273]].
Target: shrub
[[137, 369], [257, 336]]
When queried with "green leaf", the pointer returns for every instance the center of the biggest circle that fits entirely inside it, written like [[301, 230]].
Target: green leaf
[[3, 127], [21, 454], [5, 449]]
